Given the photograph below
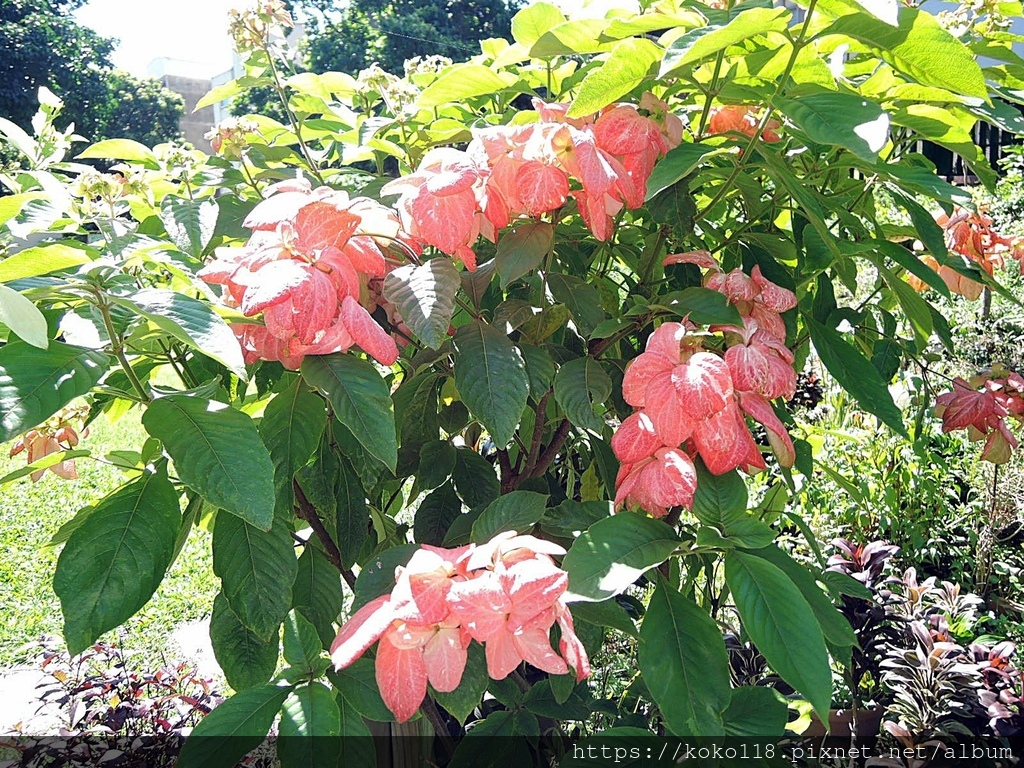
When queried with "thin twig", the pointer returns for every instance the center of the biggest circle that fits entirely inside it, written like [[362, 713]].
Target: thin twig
[[548, 454], [308, 513]]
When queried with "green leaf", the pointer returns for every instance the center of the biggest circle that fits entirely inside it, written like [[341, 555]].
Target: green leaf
[[316, 593], [257, 570], [41, 260], [114, 561], [309, 718], [360, 399], [246, 659], [582, 300], [918, 47], [474, 477], [951, 128], [218, 453], [189, 223], [437, 462], [914, 307], [516, 511], [291, 427], [522, 250], [756, 710], [21, 316], [922, 180], [460, 82], [607, 613], [834, 626], [855, 374], [352, 513], [580, 386], [678, 163], [781, 625], [491, 378], [436, 513], [356, 746], [120, 149], [684, 663], [533, 21], [425, 297], [570, 518], [358, 686], [614, 553], [703, 306], [620, 73], [719, 498], [11, 205], [461, 702], [707, 41], [572, 37], [301, 645], [540, 369], [36, 383], [233, 729], [191, 321], [378, 575], [839, 119]]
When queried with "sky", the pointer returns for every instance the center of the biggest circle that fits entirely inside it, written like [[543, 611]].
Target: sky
[[194, 30]]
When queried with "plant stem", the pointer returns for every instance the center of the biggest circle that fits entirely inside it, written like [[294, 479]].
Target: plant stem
[[293, 121], [308, 513], [117, 348]]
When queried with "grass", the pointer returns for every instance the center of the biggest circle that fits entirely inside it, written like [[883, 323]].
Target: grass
[[30, 513]]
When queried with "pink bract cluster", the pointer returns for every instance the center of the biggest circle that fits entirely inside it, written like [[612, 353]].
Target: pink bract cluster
[[693, 402], [736, 118], [972, 237], [602, 161], [306, 268], [981, 406], [505, 594]]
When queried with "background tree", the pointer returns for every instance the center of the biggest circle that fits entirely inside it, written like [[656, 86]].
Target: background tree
[[44, 46]]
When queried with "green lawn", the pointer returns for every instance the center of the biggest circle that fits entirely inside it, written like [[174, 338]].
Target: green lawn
[[30, 513]]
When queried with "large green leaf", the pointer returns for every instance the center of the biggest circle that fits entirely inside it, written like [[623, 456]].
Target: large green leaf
[[620, 73], [435, 514], [840, 119], [316, 593], [522, 250], [572, 37], [614, 553], [475, 478], [114, 561], [301, 645], [309, 719], [217, 453], [462, 81], [580, 386], [36, 383], [684, 663], [41, 260], [582, 300], [756, 710], [233, 729], [425, 297], [461, 702], [291, 427], [707, 41], [679, 162], [356, 746], [360, 399], [21, 316], [855, 374], [353, 515], [533, 21], [191, 321], [246, 659], [919, 47], [257, 570], [491, 378], [703, 306], [189, 223], [120, 149], [782, 626], [516, 511], [357, 684]]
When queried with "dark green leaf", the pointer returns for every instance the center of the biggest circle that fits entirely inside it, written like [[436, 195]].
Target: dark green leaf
[[756, 710], [357, 684], [292, 425], [114, 561], [309, 718], [522, 250], [361, 401], [36, 383], [378, 575], [317, 593], [684, 663], [353, 515], [436, 512], [614, 553], [581, 385], [678, 163], [246, 659], [234, 728], [540, 369], [218, 453], [582, 300], [491, 378], [437, 462], [475, 478], [516, 511]]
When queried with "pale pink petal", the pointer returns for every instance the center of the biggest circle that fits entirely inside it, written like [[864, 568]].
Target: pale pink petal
[[361, 631], [502, 656], [635, 439], [571, 647], [534, 646], [367, 333], [481, 606], [639, 375], [703, 384], [445, 659], [401, 677], [273, 284], [671, 423], [702, 259], [724, 441]]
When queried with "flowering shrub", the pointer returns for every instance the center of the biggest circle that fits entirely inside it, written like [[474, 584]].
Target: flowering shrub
[[482, 347]]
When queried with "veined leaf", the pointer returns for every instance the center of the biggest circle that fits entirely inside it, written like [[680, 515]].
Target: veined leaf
[[233, 729], [114, 561], [121, 149], [840, 119], [41, 260], [491, 378], [310, 725], [534, 20], [624, 70], [218, 453], [246, 659], [459, 82], [21, 316], [679, 162], [291, 428], [425, 297], [516, 511], [522, 250], [36, 383], [580, 386], [707, 41], [190, 223]]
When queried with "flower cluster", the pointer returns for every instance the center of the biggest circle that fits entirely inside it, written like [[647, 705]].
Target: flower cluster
[[306, 269], [691, 401], [505, 594], [56, 435], [602, 161], [981, 406], [230, 137], [971, 237], [736, 118]]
